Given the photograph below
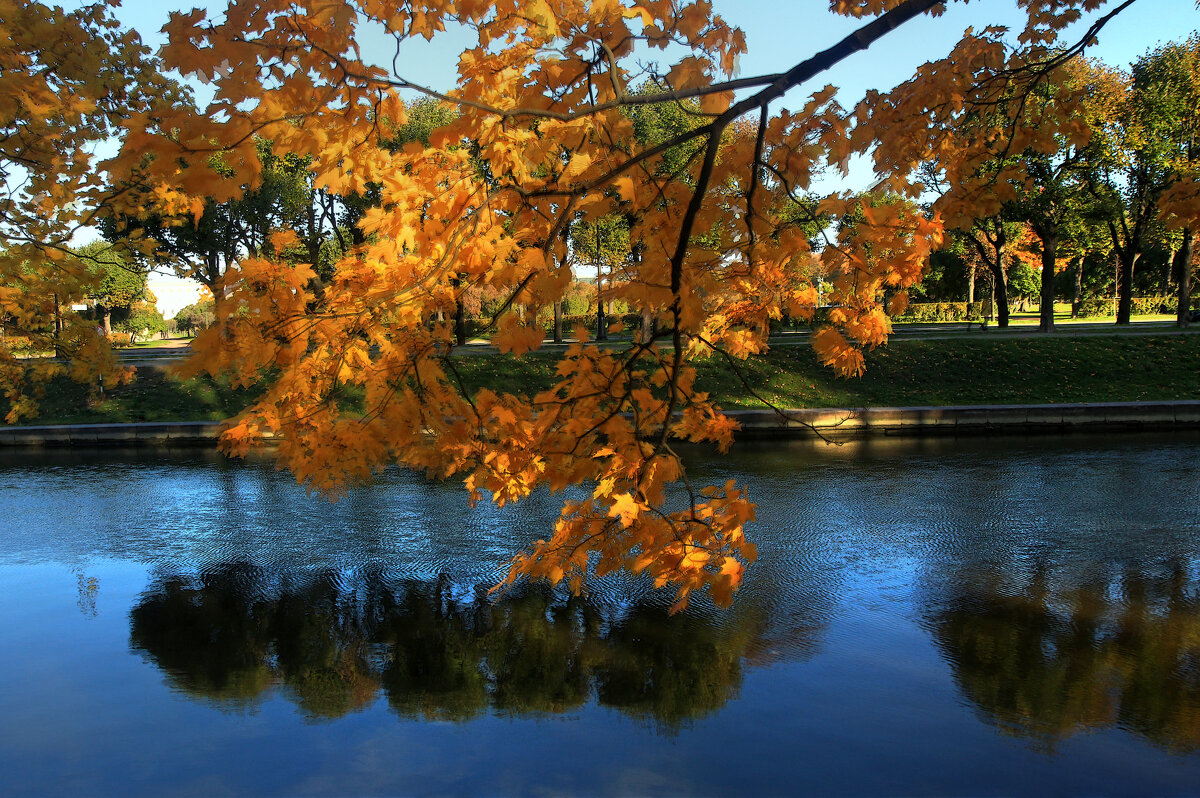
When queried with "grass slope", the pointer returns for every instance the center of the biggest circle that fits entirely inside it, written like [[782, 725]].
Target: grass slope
[[973, 371], [914, 372]]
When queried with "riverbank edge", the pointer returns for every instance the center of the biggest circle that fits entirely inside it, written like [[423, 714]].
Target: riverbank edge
[[828, 423]]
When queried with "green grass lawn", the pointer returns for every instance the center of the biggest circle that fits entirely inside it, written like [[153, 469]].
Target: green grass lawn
[[153, 343], [1032, 318], [907, 372], [973, 371], [153, 395]]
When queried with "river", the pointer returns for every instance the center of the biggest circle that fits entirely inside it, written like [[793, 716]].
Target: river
[[984, 617]]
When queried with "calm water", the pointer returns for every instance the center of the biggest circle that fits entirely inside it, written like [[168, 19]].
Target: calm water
[[987, 618]]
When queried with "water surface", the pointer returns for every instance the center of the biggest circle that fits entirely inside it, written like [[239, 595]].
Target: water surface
[[985, 618]]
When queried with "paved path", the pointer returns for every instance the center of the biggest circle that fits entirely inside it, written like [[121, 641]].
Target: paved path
[[179, 349]]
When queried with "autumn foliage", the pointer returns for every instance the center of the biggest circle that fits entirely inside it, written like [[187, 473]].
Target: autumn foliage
[[359, 364]]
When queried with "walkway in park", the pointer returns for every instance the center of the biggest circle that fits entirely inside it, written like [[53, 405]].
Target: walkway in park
[[829, 424]]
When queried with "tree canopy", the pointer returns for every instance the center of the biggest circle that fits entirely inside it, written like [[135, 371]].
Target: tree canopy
[[552, 130]]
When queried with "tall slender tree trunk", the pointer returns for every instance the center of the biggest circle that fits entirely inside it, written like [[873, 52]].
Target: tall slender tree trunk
[[106, 319], [601, 322], [460, 322], [312, 241], [970, 283], [1049, 236], [1126, 261], [990, 243], [1183, 263], [1077, 297], [1000, 292], [58, 328], [560, 304]]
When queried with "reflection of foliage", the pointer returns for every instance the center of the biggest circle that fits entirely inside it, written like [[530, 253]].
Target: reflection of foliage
[[1046, 663], [674, 669], [433, 670], [336, 640], [88, 587], [211, 638], [321, 654]]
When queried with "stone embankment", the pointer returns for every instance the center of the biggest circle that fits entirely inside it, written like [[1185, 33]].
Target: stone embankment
[[830, 423], [964, 420], [173, 433]]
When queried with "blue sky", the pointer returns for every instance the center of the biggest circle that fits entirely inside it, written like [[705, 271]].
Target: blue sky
[[781, 33]]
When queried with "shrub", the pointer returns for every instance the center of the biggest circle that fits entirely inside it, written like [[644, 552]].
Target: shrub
[[21, 344], [1138, 306], [1147, 305], [1095, 306], [924, 312]]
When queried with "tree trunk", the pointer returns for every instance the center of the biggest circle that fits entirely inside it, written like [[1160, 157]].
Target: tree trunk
[[106, 319], [970, 283], [990, 246], [1000, 292], [1183, 262], [601, 322], [460, 312], [312, 240], [1077, 299], [1049, 236], [558, 336], [647, 332], [58, 328], [1126, 261]]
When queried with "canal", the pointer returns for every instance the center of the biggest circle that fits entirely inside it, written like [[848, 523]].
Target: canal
[[986, 617]]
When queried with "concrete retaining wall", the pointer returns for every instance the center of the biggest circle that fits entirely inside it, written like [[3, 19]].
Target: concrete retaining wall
[[178, 433], [834, 423], [970, 420]]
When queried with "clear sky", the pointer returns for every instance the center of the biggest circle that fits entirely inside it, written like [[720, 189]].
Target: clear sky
[[781, 33]]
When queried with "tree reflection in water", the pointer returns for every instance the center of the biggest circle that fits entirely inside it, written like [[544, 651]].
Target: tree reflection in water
[[335, 640], [1048, 659]]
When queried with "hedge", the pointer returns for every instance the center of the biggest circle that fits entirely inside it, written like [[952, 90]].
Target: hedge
[[1138, 305], [941, 311]]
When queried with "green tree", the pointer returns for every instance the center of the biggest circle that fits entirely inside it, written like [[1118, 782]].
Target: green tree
[[604, 245], [197, 316], [1023, 282], [1053, 201], [1166, 85], [119, 283], [143, 319], [1148, 145], [205, 246]]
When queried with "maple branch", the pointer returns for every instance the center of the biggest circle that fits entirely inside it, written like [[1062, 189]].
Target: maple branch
[[745, 381], [857, 41], [622, 101], [754, 176]]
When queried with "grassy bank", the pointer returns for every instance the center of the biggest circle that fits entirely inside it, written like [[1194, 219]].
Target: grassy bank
[[937, 372], [974, 371]]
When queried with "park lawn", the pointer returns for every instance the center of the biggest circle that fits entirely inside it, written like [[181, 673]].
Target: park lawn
[[153, 395], [1031, 318], [153, 343], [970, 371], [905, 373]]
